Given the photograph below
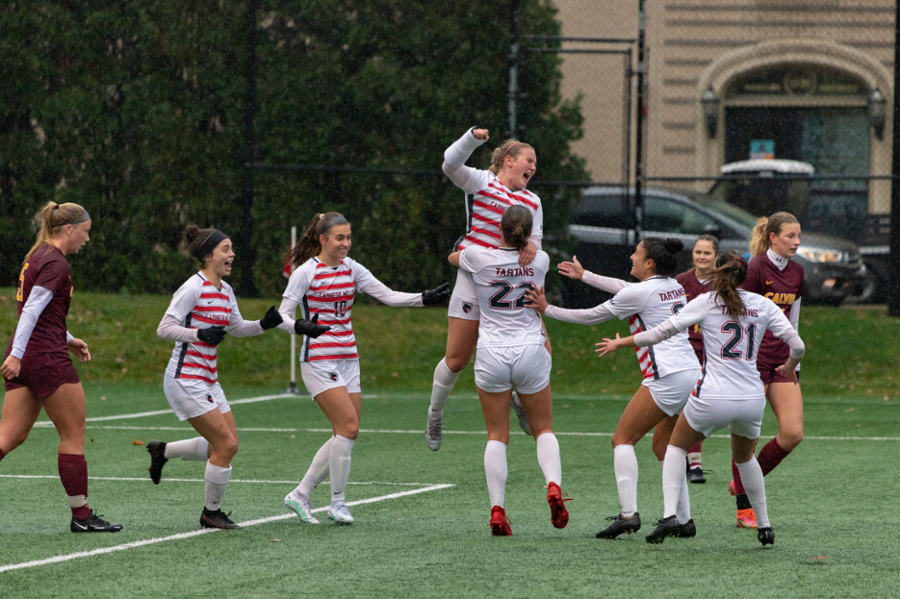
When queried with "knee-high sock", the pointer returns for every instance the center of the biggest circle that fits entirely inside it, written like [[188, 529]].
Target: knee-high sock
[[74, 476], [625, 466], [196, 449], [441, 386], [495, 471], [694, 454], [736, 476], [770, 456], [318, 470], [216, 482], [756, 490], [339, 467], [683, 510], [673, 479], [548, 458]]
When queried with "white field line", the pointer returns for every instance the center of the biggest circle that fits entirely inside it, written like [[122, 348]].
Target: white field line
[[195, 533], [200, 480]]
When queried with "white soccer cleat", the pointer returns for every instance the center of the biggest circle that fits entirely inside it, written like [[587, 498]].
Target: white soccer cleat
[[301, 506], [340, 514], [433, 432], [520, 412]]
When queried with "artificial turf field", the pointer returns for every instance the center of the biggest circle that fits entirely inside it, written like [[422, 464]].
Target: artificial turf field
[[421, 517]]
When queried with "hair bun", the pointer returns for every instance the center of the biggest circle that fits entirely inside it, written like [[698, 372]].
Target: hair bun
[[191, 233], [673, 245]]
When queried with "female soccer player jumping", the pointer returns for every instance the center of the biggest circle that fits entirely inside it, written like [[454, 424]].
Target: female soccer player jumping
[[202, 311], [37, 369], [511, 352], [670, 370], [488, 194], [324, 284], [732, 322]]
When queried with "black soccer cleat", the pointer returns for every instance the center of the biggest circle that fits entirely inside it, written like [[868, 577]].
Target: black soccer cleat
[[666, 527], [158, 459], [766, 536], [687, 530], [217, 519], [695, 475], [621, 525], [93, 523]]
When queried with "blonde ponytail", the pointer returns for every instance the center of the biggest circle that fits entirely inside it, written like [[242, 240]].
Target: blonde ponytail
[[54, 216]]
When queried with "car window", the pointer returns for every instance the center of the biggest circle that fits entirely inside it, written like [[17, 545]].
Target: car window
[[668, 216]]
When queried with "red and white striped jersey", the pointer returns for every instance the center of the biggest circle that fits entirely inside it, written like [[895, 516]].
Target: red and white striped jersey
[[485, 208], [198, 304], [329, 291]]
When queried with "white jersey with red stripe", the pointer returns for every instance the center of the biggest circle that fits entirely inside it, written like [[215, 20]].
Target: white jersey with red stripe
[[646, 305], [198, 304], [501, 285], [329, 291]]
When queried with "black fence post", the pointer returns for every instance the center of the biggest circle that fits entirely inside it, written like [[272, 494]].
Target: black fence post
[[894, 258], [639, 125], [246, 251], [513, 93]]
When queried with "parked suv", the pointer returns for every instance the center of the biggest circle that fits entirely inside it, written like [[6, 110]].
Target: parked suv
[[603, 227]]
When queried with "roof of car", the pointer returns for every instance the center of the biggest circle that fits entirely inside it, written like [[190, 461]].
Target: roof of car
[[771, 165]]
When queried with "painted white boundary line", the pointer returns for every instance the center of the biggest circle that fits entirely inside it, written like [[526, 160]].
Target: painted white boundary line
[[195, 533], [200, 480]]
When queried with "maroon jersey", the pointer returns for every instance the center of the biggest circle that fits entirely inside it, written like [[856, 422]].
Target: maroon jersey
[[47, 267], [783, 287], [692, 288]]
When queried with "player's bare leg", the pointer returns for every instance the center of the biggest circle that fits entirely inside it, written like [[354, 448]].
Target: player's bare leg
[[343, 410], [539, 409], [221, 432], [462, 336], [20, 411]]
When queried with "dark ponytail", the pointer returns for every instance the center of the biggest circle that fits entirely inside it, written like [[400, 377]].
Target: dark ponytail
[[308, 245], [515, 226], [729, 274], [664, 253]]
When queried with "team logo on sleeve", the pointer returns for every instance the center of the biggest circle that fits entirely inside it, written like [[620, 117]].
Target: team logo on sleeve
[[467, 307]]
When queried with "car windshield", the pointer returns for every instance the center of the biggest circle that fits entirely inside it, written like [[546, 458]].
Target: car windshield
[[733, 212]]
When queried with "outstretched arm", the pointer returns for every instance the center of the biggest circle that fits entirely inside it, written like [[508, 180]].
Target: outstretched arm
[[466, 178]]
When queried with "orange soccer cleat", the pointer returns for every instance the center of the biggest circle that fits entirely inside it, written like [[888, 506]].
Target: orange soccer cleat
[[746, 518]]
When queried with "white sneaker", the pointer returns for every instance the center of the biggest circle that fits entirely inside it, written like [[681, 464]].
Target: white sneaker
[[340, 514], [300, 505], [433, 432], [520, 412]]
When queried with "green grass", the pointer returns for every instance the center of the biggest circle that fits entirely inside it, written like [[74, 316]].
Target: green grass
[[831, 503]]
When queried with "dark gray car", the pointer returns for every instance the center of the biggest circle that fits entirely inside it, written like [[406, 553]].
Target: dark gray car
[[603, 228]]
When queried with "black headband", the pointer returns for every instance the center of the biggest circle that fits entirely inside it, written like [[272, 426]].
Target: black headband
[[80, 218], [337, 220], [206, 248]]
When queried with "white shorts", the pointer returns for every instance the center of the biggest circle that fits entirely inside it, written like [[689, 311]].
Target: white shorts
[[464, 299], [671, 392], [327, 374], [190, 398], [743, 417], [527, 367]]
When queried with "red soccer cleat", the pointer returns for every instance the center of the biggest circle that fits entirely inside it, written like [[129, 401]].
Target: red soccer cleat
[[559, 516], [499, 522], [731, 490]]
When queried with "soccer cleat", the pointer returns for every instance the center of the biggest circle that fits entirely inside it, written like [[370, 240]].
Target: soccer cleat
[[621, 525], [559, 516], [687, 530], [666, 527], [520, 413], [731, 490], [300, 505], [340, 514], [746, 518], [433, 433], [695, 475], [217, 519], [766, 536], [158, 459], [93, 523], [499, 522]]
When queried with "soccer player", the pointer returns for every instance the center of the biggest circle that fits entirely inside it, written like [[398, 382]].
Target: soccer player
[[37, 369], [488, 194], [696, 281], [201, 312], [774, 275], [670, 370], [511, 352], [324, 283], [732, 322]]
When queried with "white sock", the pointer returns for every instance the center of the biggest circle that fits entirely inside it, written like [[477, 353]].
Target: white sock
[[548, 458], [694, 459], [683, 510], [339, 465], [755, 486], [673, 479], [216, 482], [495, 471], [318, 470], [625, 466], [516, 400], [195, 449], [442, 385]]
